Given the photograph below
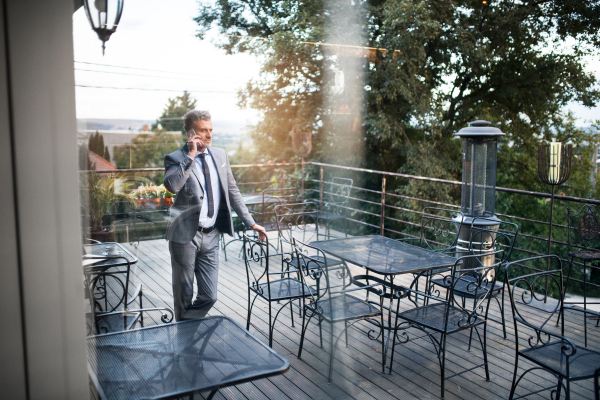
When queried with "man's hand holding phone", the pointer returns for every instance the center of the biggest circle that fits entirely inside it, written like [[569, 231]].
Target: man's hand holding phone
[[195, 144]]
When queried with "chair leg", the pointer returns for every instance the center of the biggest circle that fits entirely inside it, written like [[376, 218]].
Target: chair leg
[[485, 361], [393, 333], [292, 312], [470, 339], [502, 308], [558, 388], [270, 327], [249, 312], [331, 347], [321, 331], [514, 381], [303, 331], [346, 331], [568, 390], [443, 365]]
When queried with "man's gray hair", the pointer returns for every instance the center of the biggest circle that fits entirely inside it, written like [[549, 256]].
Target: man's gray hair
[[190, 118]]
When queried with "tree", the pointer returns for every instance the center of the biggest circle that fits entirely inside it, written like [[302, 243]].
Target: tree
[[146, 150], [170, 120], [96, 145], [439, 65]]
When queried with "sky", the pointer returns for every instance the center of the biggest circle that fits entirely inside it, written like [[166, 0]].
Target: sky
[[159, 35]]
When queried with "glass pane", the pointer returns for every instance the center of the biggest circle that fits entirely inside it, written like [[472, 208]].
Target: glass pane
[[207, 122]]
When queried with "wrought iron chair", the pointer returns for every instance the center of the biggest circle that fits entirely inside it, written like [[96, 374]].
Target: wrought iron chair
[[584, 244], [269, 284], [238, 229], [485, 235], [530, 283], [337, 299], [448, 315], [439, 231], [265, 215], [106, 316], [297, 220], [334, 203]]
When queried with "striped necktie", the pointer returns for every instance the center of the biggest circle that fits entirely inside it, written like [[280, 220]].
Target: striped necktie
[[208, 184]]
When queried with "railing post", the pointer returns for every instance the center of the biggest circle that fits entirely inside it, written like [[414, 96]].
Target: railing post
[[321, 191], [281, 178], [302, 178], [382, 206]]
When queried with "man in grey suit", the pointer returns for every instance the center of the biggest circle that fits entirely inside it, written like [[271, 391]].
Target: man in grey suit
[[206, 191]]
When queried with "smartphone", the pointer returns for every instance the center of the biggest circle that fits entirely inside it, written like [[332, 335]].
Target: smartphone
[[191, 133]]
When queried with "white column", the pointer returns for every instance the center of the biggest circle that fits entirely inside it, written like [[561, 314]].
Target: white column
[[41, 242]]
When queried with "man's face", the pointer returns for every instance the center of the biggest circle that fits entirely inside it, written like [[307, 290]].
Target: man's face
[[204, 130]]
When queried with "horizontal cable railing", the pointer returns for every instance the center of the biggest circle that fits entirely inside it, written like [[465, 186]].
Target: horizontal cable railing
[[371, 208]]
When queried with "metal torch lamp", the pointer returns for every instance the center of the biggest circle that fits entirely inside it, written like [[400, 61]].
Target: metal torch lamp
[[302, 145], [554, 168], [104, 16]]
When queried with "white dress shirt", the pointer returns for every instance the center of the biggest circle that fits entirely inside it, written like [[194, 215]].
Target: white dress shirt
[[216, 189]]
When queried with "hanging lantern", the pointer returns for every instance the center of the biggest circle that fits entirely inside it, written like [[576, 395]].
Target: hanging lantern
[[104, 16]]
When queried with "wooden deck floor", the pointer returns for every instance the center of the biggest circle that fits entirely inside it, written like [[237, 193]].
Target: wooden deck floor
[[357, 367]]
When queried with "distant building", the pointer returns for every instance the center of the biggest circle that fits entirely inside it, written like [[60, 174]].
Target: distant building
[[100, 163]]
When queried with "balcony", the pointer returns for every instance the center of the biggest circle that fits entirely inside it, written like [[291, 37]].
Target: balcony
[[357, 371]]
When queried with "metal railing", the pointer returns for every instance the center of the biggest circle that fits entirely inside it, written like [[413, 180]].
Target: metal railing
[[384, 211]]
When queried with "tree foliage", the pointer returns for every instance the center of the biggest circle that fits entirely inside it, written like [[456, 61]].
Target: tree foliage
[[176, 107], [147, 150], [96, 145]]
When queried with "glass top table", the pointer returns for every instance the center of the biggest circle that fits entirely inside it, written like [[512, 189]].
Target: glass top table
[[180, 359], [96, 256], [383, 255]]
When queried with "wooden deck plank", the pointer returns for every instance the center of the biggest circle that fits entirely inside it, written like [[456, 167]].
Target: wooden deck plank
[[357, 371]]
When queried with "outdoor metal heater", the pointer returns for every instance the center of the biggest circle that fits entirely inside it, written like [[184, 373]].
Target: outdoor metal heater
[[478, 197]]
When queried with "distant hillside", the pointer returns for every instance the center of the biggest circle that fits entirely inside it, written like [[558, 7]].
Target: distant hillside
[[226, 128]]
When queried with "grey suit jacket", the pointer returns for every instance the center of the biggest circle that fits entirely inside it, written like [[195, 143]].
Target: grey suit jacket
[[181, 179]]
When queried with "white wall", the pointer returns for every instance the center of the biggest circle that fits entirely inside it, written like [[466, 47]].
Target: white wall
[[41, 279]]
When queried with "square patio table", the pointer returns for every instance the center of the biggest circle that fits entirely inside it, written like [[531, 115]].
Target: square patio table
[[179, 359], [387, 257], [383, 255]]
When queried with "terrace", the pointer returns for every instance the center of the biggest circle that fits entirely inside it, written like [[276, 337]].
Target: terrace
[[357, 371]]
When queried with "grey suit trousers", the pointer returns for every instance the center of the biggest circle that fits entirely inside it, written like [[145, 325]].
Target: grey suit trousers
[[199, 258]]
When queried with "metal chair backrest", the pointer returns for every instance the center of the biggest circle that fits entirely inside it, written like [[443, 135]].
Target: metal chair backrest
[[584, 228], [296, 220], [256, 260], [317, 274], [527, 281], [337, 196], [487, 235], [472, 277], [272, 198], [440, 228]]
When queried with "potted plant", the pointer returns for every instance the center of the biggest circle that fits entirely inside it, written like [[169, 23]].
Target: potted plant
[[167, 199], [153, 196], [100, 200], [138, 196]]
